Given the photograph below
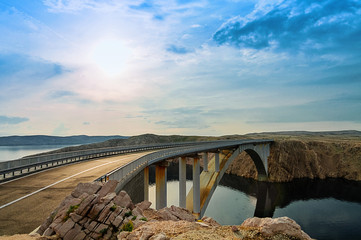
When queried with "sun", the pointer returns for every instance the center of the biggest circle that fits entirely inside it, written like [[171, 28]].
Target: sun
[[111, 56]]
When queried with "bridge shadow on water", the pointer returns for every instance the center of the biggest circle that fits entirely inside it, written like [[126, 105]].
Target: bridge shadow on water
[[279, 195]]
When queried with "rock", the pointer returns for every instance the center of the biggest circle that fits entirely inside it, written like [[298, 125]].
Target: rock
[[143, 205], [96, 209], [269, 227], [95, 217], [210, 221], [107, 188], [65, 228], [146, 235], [159, 236], [107, 198], [202, 224], [73, 233], [84, 205], [75, 217], [123, 235], [123, 200], [48, 232], [46, 224], [305, 158], [105, 212], [175, 213], [89, 188], [117, 221], [137, 212]]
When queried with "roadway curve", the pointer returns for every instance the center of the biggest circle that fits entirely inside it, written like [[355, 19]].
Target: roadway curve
[[23, 207]]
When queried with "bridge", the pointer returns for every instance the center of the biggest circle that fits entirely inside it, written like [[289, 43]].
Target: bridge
[[216, 157]]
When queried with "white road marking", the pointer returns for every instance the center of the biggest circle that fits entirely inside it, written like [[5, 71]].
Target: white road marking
[[62, 180]]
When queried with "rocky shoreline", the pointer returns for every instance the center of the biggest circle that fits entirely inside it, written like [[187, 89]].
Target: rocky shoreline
[[95, 211]]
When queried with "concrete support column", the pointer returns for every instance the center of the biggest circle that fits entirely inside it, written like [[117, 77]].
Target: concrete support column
[[205, 161], [146, 184], [217, 161], [196, 186], [161, 185], [182, 182]]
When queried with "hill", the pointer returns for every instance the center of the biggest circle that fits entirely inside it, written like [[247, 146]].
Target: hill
[[54, 140]]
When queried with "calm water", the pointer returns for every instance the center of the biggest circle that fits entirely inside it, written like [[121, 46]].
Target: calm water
[[325, 209], [15, 152]]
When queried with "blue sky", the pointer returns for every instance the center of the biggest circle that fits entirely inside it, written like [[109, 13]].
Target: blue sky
[[179, 67]]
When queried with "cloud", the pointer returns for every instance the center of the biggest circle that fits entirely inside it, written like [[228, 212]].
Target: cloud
[[178, 49], [12, 120], [59, 6], [60, 130], [62, 94], [16, 68], [181, 117], [297, 26], [340, 109]]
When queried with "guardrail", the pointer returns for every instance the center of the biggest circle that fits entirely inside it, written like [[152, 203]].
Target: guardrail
[[25, 165], [124, 173]]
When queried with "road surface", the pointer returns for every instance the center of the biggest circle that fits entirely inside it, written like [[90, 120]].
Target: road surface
[[26, 202]]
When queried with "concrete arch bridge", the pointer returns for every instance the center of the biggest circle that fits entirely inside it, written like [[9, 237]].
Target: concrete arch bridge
[[216, 156]]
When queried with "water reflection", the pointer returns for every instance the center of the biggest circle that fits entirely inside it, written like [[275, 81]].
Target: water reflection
[[279, 195]]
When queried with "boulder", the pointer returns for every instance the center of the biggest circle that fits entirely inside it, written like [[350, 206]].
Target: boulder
[[143, 205], [108, 187], [89, 188], [270, 227], [123, 200]]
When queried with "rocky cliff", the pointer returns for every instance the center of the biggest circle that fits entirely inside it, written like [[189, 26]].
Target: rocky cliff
[[306, 158]]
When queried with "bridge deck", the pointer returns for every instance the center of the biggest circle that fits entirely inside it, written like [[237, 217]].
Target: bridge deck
[[25, 215]]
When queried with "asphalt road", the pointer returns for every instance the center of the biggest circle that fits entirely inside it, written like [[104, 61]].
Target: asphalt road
[[26, 202]]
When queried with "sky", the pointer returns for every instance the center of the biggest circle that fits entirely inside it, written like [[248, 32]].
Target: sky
[[108, 67]]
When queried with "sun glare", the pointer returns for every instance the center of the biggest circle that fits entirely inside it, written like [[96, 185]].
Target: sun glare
[[110, 56]]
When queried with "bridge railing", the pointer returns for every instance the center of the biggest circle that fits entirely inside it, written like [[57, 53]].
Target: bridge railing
[[32, 163], [123, 174]]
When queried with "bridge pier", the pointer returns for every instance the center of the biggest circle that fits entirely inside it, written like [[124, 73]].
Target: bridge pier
[[196, 186], [182, 182], [216, 159], [161, 184], [205, 161], [146, 183]]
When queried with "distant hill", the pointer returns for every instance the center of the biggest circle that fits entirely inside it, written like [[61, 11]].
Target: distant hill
[[307, 133], [54, 140]]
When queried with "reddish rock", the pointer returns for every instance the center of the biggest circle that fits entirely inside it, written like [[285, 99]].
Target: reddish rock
[[89, 188], [101, 227], [107, 188], [75, 217], [75, 231], [48, 232], [105, 212], [137, 212], [123, 200], [85, 205], [269, 227], [65, 228], [117, 221], [96, 209], [107, 198], [143, 205]]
